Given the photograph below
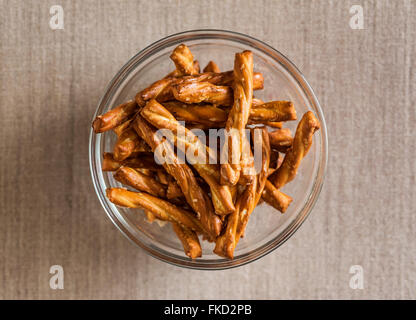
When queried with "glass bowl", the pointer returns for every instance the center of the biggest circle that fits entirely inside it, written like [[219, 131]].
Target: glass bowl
[[267, 228]]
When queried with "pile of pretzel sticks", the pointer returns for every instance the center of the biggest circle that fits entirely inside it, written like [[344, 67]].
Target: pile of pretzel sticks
[[214, 200]]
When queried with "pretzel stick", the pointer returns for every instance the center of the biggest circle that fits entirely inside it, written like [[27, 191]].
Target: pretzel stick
[[237, 221], [161, 118], [238, 116], [281, 139], [173, 190], [273, 111], [176, 73], [197, 113], [189, 240], [207, 115], [145, 161], [184, 60], [300, 147], [127, 143], [161, 209], [212, 67], [163, 177], [161, 90], [140, 181], [193, 193], [203, 92], [114, 117], [275, 197]]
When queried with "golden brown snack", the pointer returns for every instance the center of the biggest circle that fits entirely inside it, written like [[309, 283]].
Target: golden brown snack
[[127, 143], [114, 117], [176, 73], [150, 216], [161, 209], [300, 147], [209, 116], [161, 118], [189, 240], [211, 67], [203, 92], [238, 117], [281, 139], [275, 197], [144, 161], [237, 221], [184, 60], [161, 90], [140, 181], [173, 190], [163, 177], [273, 111], [206, 114], [195, 196], [121, 127]]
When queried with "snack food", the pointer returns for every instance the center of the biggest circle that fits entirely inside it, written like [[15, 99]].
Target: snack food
[[162, 151]]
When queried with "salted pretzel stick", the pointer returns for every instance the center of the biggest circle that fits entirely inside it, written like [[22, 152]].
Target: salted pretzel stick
[[114, 117], [127, 143], [144, 161], [203, 92], [300, 147], [194, 195], [211, 67], [275, 197], [281, 139], [184, 60], [238, 116], [140, 181], [173, 190], [161, 90], [189, 240], [161, 209], [237, 221], [161, 118], [273, 111]]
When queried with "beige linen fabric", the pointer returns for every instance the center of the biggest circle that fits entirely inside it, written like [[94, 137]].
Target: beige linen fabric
[[51, 81]]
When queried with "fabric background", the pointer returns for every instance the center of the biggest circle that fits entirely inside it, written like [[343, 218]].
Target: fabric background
[[51, 82]]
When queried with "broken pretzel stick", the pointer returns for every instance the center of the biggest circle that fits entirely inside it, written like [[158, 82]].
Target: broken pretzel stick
[[161, 209], [184, 60], [114, 117], [140, 181], [300, 147], [144, 161], [275, 197], [189, 239], [281, 139]]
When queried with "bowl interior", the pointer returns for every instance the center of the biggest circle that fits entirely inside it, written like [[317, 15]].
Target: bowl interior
[[267, 227]]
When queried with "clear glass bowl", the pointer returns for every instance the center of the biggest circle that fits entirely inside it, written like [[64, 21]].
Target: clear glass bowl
[[267, 228]]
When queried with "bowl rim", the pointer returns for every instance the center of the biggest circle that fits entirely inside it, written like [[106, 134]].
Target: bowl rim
[[316, 188]]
